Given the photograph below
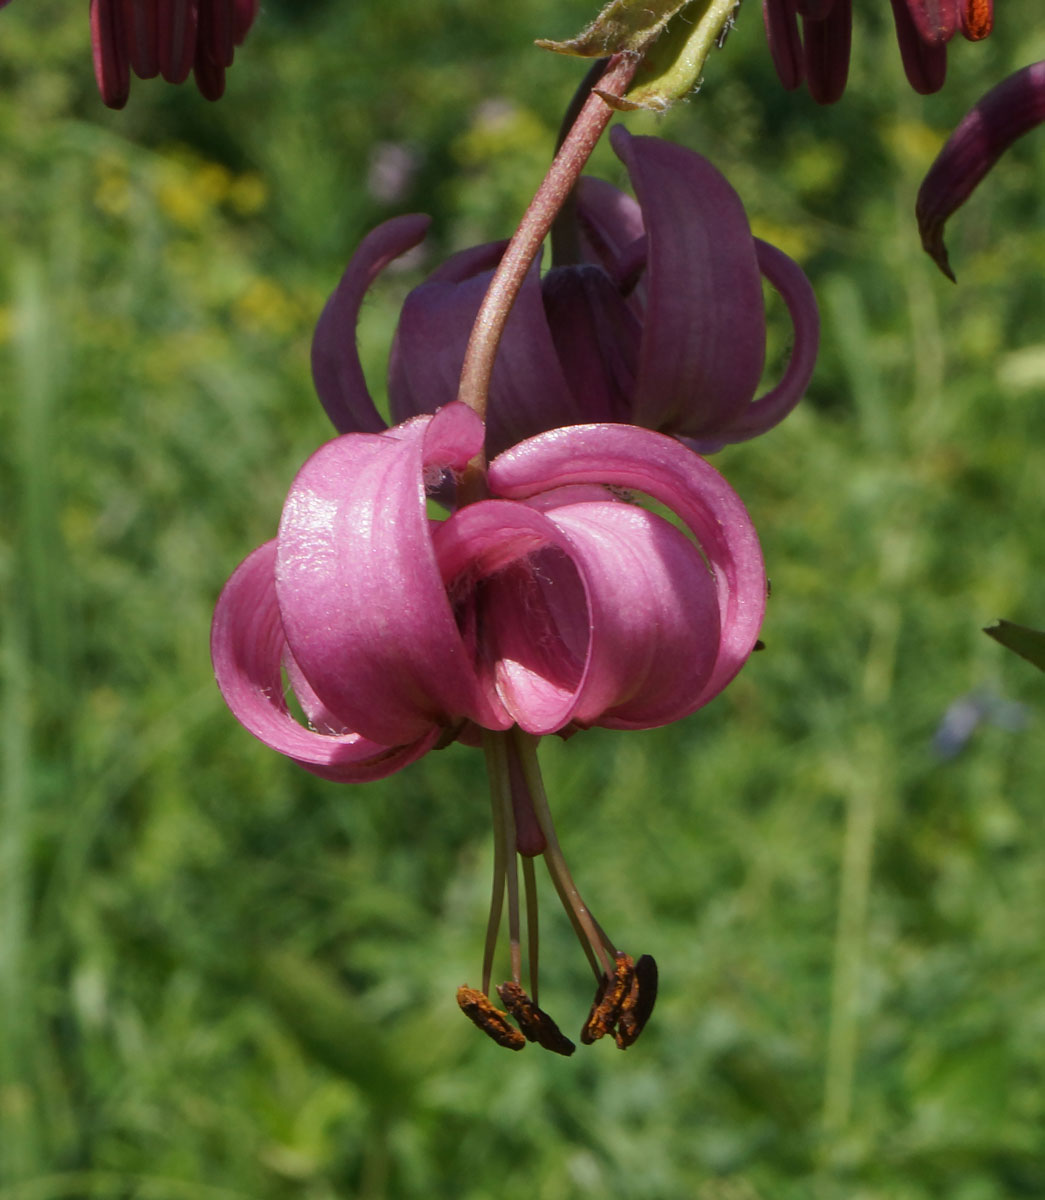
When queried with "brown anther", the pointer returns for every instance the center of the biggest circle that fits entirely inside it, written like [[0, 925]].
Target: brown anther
[[609, 1000], [477, 1008], [533, 1021], [638, 1004]]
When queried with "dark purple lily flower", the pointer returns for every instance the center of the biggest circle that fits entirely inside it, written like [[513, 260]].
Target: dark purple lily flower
[[168, 38], [818, 52], [659, 320], [1007, 112], [553, 605]]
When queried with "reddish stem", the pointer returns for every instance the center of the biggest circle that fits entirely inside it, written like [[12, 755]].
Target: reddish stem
[[563, 173]]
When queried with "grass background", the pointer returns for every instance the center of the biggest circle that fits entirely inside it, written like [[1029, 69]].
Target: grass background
[[222, 978]]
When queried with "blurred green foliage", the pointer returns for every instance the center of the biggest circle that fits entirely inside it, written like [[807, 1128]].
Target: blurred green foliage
[[220, 977]]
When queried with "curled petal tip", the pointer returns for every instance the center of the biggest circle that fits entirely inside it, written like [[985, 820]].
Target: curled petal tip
[[336, 370], [1004, 114]]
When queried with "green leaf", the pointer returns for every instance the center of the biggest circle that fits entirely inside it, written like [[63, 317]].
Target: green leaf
[[1027, 643], [672, 68], [622, 25]]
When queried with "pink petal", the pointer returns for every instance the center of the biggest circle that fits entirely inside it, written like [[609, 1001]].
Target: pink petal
[[247, 646], [336, 369], [621, 456], [1007, 112], [826, 47], [364, 609], [587, 611], [703, 342], [505, 565], [655, 622], [790, 281]]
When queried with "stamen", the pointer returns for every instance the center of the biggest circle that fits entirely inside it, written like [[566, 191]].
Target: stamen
[[530, 884], [596, 944], [494, 1023], [494, 749], [535, 1023], [638, 1005], [612, 992]]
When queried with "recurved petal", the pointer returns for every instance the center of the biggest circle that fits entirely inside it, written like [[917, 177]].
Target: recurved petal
[[703, 338], [924, 63], [785, 44], [522, 606], [610, 220], [528, 391], [364, 609], [1005, 113], [596, 337], [623, 456], [336, 369], [589, 611], [790, 281], [655, 621], [247, 649], [424, 365]]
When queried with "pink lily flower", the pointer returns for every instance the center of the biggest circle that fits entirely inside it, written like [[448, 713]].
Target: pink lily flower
[[168, 38], [657, 320], [819, 53], [1005, 113], [552, 605]]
